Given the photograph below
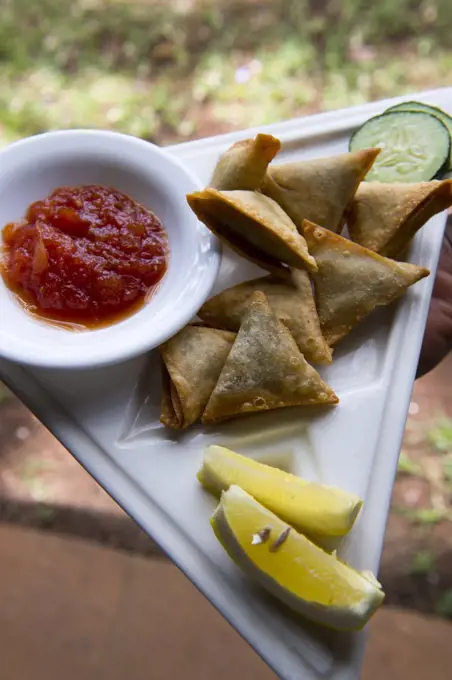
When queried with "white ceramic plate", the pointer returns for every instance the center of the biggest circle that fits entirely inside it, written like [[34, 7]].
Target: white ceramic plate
[[109, 419], [32, 168]]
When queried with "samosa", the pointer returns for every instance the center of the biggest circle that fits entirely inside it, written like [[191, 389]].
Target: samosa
[[352, 280], [290, 298], [264, 370], [320, 189], [191, 363], [244, 164], [384, 217], [254, 226]]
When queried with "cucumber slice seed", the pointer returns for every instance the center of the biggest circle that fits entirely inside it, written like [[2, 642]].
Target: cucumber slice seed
[[414, 145], [426, 108]]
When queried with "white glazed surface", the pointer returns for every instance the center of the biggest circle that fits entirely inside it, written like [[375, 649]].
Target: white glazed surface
[[32, 168], [109, 419]]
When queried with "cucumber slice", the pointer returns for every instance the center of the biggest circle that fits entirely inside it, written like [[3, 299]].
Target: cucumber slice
[[414, 145], [426, 108]]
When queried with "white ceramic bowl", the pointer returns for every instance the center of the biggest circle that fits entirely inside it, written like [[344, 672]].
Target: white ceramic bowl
[[30, 169]]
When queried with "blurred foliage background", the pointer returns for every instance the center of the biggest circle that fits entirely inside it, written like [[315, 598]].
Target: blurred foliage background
[[177, 69]]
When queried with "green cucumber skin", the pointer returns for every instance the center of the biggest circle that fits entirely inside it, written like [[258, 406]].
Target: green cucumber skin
[[444, 175], [419, 106], [413, 106], [447, 139]]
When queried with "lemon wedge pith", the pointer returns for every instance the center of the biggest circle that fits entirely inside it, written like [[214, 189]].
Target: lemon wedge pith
[[291, 567], [308, 506]]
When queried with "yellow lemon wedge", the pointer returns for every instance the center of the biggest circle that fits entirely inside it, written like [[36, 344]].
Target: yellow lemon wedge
[[312, 508], [291, 567]]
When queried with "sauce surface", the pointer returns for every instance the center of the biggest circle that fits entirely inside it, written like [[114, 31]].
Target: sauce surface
[[85, 256]]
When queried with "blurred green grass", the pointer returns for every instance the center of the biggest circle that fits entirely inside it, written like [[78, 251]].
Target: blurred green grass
[[185, 68]]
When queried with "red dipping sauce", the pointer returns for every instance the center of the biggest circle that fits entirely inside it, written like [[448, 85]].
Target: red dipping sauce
[[86, 256]]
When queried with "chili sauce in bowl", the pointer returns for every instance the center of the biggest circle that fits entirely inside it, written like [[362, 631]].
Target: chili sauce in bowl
[[85, 256], [102, 258]]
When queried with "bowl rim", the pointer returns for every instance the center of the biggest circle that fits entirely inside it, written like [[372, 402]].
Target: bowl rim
[[122, 352]]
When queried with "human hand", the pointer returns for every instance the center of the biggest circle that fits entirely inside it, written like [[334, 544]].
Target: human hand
[[438, 332]]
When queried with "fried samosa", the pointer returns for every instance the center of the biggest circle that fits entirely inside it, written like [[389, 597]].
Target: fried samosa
[[264, 370], [191, 363], [318, 190], [254, 226], [244, 164], [352, 281], [385, 217], [290, 298]]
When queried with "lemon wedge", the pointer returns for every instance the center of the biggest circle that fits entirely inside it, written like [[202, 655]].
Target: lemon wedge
[[291, 567], [312, 508]]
